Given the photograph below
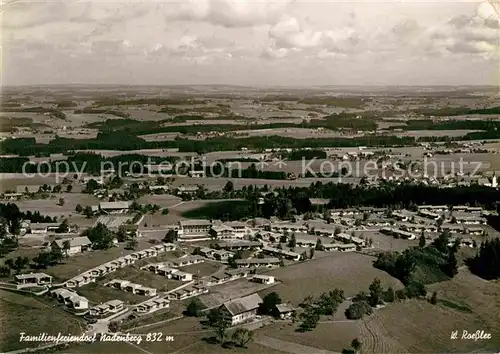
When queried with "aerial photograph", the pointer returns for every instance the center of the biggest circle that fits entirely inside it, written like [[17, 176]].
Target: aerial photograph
[[250, 176]]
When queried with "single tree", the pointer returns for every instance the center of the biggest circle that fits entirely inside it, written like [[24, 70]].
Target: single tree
[[319, 245], [311, 253], [113, 326], [242, 337], [61, 201], [219, 324], [293, 241], [389, 295], [434, 299], [171, 236], [421, 241], [376, 292], [269, 302], [356, 344], [229, 187], [193, 309], [87, 211], [78, 208], [66, 247], [132, 243]]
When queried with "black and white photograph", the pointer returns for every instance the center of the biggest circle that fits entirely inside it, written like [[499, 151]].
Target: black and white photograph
[[250, 176]]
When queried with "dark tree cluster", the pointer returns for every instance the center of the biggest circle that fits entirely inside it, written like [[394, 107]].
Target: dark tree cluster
[[486, 263], [324, 305]]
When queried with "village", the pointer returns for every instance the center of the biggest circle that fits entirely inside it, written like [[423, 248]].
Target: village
[[203, 258]]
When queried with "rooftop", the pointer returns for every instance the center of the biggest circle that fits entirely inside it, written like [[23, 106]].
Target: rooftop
[[114, 205], [244, 304], [74, 242]]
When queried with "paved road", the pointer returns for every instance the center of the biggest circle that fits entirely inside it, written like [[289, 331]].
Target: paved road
[[290, 347]]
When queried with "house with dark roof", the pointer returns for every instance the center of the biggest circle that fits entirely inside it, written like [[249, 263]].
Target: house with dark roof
[[241, 310], [284, 311]]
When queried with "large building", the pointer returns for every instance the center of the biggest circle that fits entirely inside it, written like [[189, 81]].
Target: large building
[[114, 207], [241, 310], [75, 245], [192, 229]]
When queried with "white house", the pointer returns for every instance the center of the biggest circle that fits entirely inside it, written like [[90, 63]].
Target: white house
[[76, 245], [192, 229], [114, 207], [241, 310], [43, 227], [33, 279], [258, 262], [263, 279], [152, 305]]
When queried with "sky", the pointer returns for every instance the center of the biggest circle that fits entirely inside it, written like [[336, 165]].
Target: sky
[[244, 42]]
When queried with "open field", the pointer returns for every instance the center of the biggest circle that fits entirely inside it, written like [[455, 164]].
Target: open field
[[97, 294], [50, 206], [297, 133], [466, 303], [202, 269], [220, 294], [38, 317], [212, 183], [163, 200], [385, 242], [349, 271], [327, 336], [427, 133], [101, 347]]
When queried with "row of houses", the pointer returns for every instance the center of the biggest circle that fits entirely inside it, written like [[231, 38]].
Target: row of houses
[[152, 305], [219, 255], [109, 307], [170, 273], [136, 289], [121, 262], [239, 245], [349, 239], [398, 233], [341, 247], [227, 276], [463, 229], [281, 253], [187, 292], [70, 298], [443, 208], [258, 262]]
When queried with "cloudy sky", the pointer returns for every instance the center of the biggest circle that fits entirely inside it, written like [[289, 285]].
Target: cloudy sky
[[251, 42]]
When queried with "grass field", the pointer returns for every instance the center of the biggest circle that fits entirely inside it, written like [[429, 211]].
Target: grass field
[[232, 290], [466, 303], [71, 200], [328, 336], [202, 269], [217, 210], [97, 293], [349, 271], [188, 338], [19, 313]]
